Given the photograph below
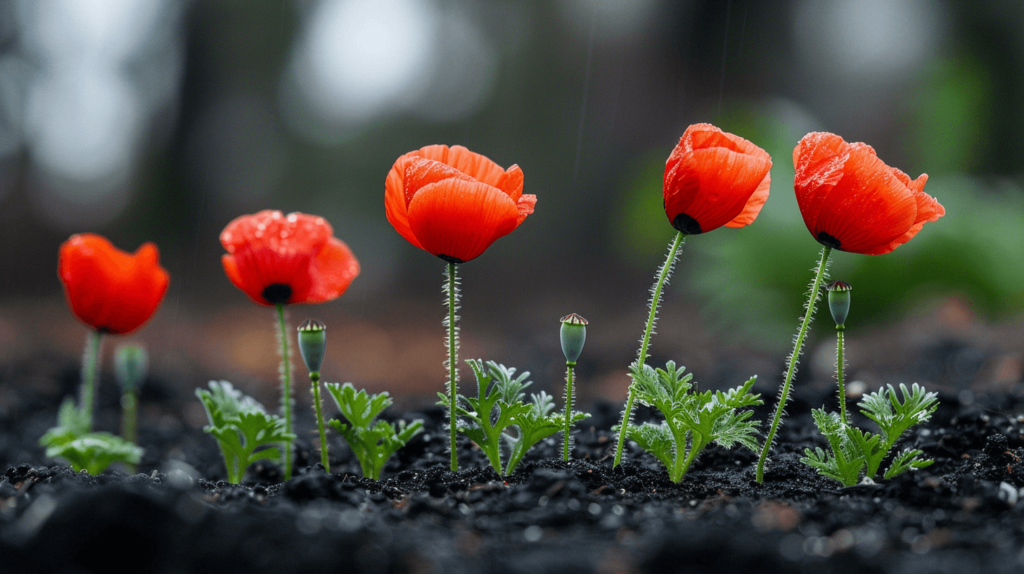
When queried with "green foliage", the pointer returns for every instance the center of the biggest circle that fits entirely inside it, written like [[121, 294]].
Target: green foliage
[[241, 426], [95, 451], [693, 420], [854, 451], [91, 451], [499, 405], [373, 443]]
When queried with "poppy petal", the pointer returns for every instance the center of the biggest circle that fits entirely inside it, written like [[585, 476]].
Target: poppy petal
[[395, 205], [334, 269], [109, 289], [420, 172], [753, 207], [460, 219], [929, 210], [819, 159], [525, 205], [726, 181], [511, 182], [869, 208]]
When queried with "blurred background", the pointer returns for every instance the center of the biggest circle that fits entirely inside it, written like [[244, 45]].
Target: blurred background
[[161, 120]]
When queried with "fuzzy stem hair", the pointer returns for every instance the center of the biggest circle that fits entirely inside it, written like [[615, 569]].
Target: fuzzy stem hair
[[663, 276], [451, 323], [569, 400], [820, 274], [286, 387], [839, 374]]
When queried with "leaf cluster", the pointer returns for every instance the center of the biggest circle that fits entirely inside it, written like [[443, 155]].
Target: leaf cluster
[[855, 452], [693, 420], [241, 426], [499, 405], [372, 442], [93, 452]]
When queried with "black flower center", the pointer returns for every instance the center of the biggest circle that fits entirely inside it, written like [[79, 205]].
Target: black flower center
[[827, 240], [686, 224], [277, 294], [451, 259]]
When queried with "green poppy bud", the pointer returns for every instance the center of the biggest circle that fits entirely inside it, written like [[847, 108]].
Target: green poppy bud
[[312, 343], [573, 334], [131, 365], [839, 302]]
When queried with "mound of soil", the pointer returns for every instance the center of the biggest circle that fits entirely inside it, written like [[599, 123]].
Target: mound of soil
[[960, 515]]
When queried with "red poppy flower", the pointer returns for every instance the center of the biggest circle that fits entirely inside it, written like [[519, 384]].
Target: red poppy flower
[[454, 203], [108, 289], [714, 178], [278, 259], [853, 202]]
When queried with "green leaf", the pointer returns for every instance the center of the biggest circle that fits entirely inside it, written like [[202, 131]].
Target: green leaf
[[655, 439], [894, 416], [241, 426], [94, 452], [846, 461], [372, 443], [535, 424], [907, 460]]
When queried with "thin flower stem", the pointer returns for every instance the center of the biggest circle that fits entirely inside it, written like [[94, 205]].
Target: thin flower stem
[[566, 445], [663, 275], [839, 374], [90, 367], [129, 415], [452, 290], [286, 387], [129, 418], [794, 358], [314, 379]]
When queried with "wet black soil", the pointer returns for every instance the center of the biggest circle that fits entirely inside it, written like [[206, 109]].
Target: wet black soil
[[960, 515]]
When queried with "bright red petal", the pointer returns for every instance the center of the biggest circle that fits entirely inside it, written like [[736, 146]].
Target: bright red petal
[[109, 289], [396, 207], [753, 207], [460, 219], [525, 205], [332, 272], [819, 159], [868, 208]]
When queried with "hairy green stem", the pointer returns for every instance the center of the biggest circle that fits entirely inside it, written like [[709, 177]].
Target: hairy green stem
[[314, 380], [566, 446], [812, 304], [452, 290], [663, 275], [839, 374], [681, 472], [286, 388], [90, 368]]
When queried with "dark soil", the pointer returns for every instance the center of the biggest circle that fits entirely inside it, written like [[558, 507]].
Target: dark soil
[[960, 515]]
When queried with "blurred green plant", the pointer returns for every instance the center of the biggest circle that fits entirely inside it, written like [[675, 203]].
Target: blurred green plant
[[84, 450], [748, 277]]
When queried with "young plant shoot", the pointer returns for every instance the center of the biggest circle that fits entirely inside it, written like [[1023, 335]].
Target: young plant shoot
[[693, 420], [312, 345], [84, 450], [712, 179], [498, 406], [572, 334], [373, 443], [241, 426], [850, 201], [856, 452]]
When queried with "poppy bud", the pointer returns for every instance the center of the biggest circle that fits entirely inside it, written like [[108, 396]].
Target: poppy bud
[[312, 343], [839, 302], [573, 335], [131, 365]]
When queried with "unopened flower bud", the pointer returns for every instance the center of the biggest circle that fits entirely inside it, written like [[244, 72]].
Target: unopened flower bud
[[131, 365], [573, 335], [312, 343], [839, 302]]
